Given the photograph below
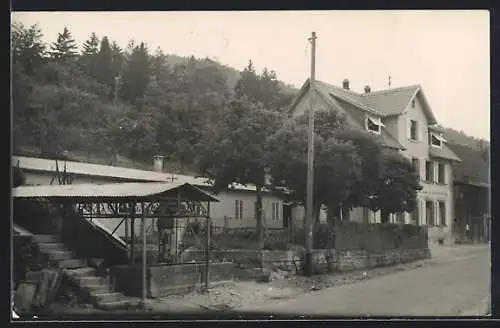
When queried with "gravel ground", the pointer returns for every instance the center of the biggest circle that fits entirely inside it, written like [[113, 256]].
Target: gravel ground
[[282, 286]]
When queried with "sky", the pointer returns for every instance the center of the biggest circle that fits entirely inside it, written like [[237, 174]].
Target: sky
[[446, 52]]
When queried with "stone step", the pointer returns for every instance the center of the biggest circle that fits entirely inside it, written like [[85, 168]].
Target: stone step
[[104, 297], [114, 305], [94, 289], [72, 264], [81, 272], [52, 246], [46, 238], [60, 255]]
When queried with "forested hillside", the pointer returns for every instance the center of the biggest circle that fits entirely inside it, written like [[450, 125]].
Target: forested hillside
[[106, 103]]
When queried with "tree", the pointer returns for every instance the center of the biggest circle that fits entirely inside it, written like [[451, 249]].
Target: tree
[[64, 49], [105, 72], [89, 54], [336, 165], [238, 150], [136, 74], [28, 49], [248, 85], [398, 186]]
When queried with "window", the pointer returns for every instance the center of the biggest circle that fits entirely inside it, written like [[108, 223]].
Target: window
[[374, 124], [436, 140], [429, 171], [442, 213], [429, 213], [276, 211], [441, 175], [415, 215], [413, 103], [416, 165], [413, 130], [238, 209]]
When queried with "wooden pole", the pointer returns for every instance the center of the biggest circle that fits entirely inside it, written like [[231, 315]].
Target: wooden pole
[[132, 241], [144, 258], [310, 166]]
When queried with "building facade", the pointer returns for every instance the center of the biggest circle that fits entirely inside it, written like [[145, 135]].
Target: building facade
[[402, 120]]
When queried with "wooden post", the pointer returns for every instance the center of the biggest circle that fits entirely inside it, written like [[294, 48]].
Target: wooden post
[[144, 258], [132, 241]]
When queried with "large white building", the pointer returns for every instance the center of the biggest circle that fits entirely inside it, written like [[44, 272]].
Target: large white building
[[403, 120]]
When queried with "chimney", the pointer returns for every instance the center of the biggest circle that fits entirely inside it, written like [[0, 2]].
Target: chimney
[[367, 89], [158, 163], [345, 84]]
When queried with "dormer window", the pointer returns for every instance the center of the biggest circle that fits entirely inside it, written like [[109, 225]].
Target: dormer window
[[436, 139], [374, 124]]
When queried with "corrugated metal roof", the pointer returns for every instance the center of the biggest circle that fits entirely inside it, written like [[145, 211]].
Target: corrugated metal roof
[[48, 165], [114, 191], [40, 164]]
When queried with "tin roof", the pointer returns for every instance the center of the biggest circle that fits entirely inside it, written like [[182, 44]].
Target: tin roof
[[115, 191], [135, 175]]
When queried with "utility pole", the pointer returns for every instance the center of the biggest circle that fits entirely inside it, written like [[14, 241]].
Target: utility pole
[[308, 265]]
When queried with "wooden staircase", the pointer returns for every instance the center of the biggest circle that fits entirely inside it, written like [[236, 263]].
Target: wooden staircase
[[94, 288]]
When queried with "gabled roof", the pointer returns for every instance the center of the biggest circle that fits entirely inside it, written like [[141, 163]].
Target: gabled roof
[[390, 102], [334, 96]]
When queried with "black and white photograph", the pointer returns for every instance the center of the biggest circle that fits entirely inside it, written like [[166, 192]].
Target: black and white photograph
[[250, 164]]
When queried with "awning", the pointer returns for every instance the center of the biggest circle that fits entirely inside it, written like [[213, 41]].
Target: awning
[[118, 192]]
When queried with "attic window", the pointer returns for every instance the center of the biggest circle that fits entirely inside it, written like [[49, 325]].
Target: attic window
[[436, 140], [413, 103], [374, 124]]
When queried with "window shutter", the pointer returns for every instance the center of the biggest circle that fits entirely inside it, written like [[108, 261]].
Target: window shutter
[[436, 171], [241, 209], [445, 173], [423, 213], [236, 208], [408, 128]]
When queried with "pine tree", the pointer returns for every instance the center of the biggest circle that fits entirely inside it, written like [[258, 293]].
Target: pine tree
[[135, 77], [89, 55], [104, 64], [64, 49]]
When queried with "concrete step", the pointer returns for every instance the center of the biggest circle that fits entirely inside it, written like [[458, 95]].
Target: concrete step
[[81, 272], [46, 238], [103, 297], [91, 280], [114, 305], [45, 247], [94, 289], [71, 264], [60, 255]]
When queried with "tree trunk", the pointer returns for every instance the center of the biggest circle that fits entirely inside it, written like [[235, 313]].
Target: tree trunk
[[260, 224], [384, 216], [330, 219]]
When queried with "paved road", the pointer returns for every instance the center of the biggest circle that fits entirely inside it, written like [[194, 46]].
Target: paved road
[[457, 285]]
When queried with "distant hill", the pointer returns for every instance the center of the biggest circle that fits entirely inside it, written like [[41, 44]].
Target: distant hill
[[233, 75], [460, 138]]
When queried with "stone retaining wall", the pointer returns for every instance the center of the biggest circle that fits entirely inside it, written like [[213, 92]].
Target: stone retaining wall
[[164, 279], [324, 260]]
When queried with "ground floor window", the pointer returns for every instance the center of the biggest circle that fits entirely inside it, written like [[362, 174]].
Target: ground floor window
[[429, 213], [442, 213], [276, 211], [415, 215], [238, 209]]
